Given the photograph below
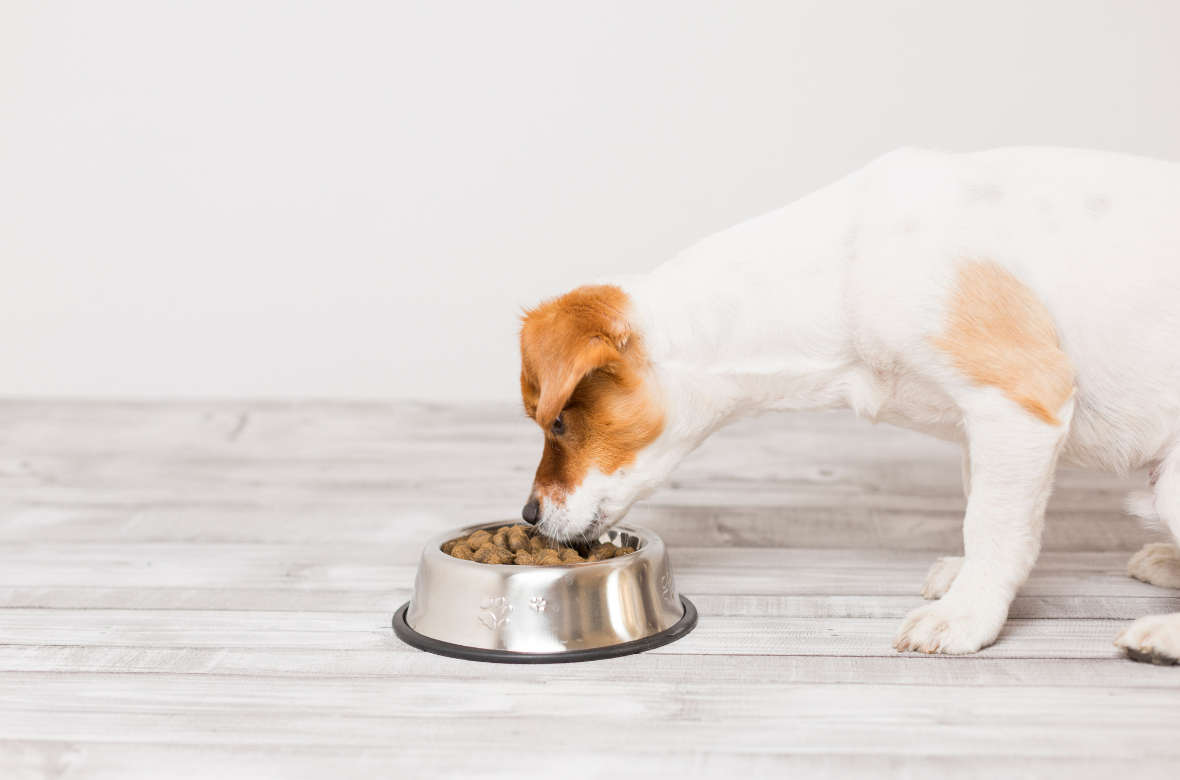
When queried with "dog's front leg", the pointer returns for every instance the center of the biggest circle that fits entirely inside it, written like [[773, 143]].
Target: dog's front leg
[[1013, 456], [942, 574]]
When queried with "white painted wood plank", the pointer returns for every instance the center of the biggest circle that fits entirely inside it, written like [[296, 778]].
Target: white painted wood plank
[[359, 630], [412, 518], [328, 663], [548, 696], [376, 566], [1066, 607], [843, 721], [118, 761]]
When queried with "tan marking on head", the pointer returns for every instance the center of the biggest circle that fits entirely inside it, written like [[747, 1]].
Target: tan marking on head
[[999, 334], [581, 359]]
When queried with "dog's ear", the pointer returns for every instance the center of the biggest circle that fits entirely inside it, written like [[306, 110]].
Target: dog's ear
[[564, 339]]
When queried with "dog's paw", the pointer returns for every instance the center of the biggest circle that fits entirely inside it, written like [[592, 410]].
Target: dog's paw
[[947, 628], [940, 577], [1157, 564], [1154, 639]]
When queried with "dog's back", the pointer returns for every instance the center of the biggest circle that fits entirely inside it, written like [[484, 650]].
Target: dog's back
[[1094, 235]]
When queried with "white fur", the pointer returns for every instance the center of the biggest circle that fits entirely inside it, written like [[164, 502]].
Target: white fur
[[940, 577], [1157, 564], [832, 301], [599, 502]]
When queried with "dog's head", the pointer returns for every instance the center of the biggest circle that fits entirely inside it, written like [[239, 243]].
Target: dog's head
[[585, 380]]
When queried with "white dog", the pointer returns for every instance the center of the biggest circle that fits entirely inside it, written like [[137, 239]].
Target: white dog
[[1022, 302]]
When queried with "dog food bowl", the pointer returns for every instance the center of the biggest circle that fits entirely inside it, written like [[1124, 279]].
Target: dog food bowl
[[545, 614]]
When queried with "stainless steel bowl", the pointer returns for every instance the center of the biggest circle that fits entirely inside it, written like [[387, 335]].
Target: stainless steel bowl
[[545, 614]]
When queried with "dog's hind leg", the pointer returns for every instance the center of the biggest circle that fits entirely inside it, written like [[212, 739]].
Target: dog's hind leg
[[1013, 457], [1156, 638]]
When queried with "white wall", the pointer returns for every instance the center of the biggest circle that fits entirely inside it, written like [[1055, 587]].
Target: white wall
[[354, 199]]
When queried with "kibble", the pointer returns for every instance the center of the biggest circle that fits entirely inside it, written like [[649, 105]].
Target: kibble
[[477, 540], [518, 539], [490, 553], [519, 545], [602, 552], [550, 558]]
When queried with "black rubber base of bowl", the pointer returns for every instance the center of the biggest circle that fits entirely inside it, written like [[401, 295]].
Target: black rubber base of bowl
[[414, 639]]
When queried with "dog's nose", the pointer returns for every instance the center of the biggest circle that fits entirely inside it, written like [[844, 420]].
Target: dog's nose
[[531, 511]]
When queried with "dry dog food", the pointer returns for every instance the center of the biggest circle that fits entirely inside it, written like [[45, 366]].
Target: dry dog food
[[518, 545]]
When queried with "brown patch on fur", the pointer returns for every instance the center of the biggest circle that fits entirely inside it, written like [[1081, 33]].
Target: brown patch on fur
[[999, 334], [581, 359]]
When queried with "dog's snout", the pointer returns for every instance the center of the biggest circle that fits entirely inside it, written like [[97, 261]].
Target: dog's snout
[[531, 511]]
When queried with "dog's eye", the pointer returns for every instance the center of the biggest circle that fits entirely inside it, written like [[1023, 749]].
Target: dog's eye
[[558, 426]]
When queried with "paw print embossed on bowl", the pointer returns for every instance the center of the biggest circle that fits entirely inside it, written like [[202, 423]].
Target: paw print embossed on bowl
[[494, 613]]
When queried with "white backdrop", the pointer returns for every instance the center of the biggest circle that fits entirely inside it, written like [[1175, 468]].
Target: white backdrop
[[354, 199]]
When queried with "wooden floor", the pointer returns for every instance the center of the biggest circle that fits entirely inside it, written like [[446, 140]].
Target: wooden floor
[[205, 590]]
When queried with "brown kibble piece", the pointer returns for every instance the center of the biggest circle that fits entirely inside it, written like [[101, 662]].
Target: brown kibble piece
[[624, 551], [517, 540], [524, 558], [477, 540], [448, 546], [551, 560], [490, 553], [461, 551], [603, 551], [501, 539], [570, 555]]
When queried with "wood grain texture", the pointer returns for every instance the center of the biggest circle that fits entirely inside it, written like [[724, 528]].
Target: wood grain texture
[[205, 589], [107, 761]]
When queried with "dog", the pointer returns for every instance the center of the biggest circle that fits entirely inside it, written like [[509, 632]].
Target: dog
[[1024, 303]]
